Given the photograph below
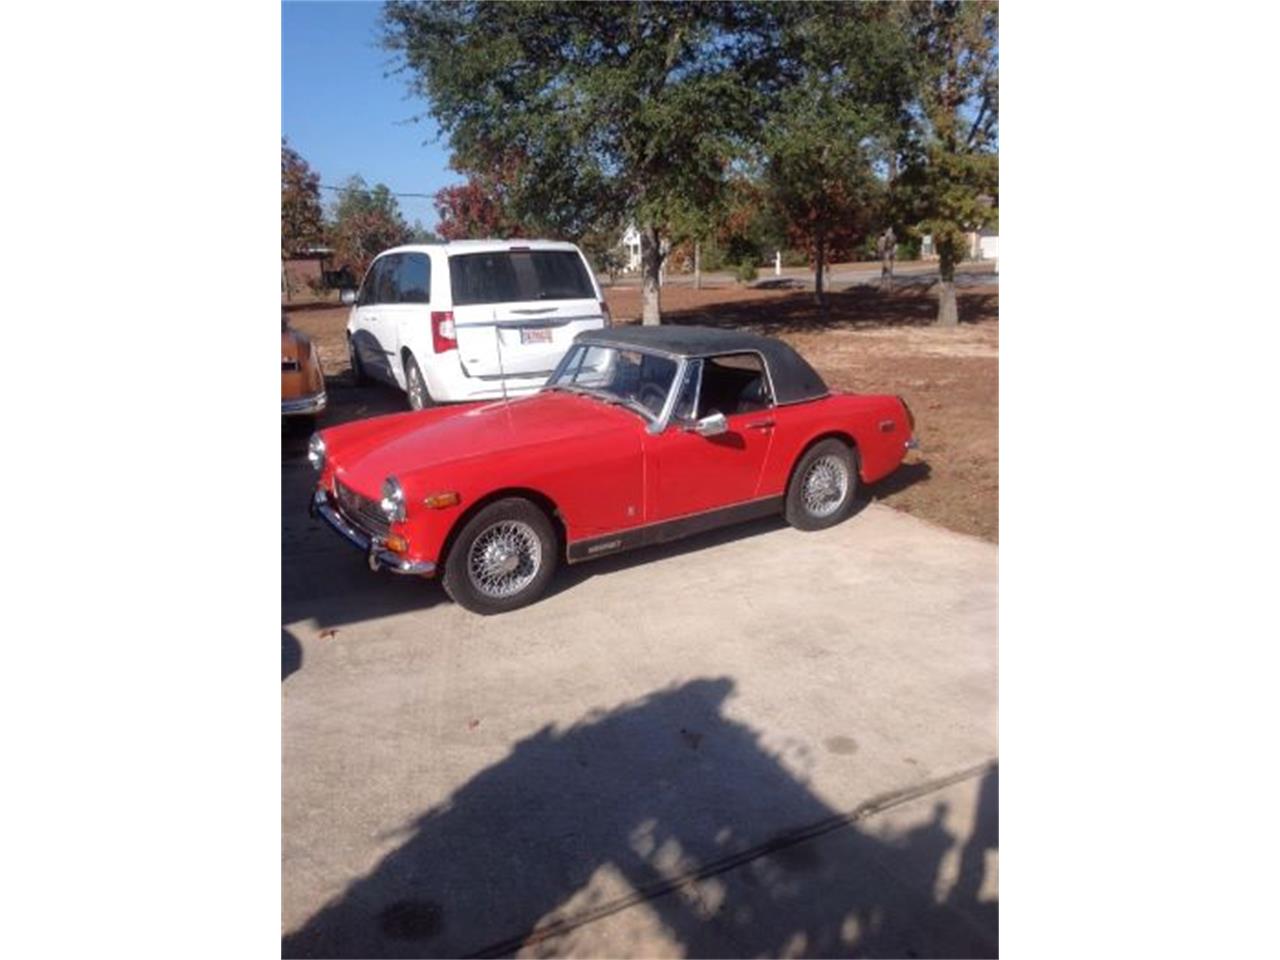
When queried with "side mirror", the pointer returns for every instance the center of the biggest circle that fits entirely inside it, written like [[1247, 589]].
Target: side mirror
[[713, 424], [348, 297]]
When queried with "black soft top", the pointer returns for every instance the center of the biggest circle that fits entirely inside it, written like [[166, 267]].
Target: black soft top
[[793, 379]]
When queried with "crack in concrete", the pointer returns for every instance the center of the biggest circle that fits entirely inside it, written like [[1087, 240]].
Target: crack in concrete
[[790, 838]]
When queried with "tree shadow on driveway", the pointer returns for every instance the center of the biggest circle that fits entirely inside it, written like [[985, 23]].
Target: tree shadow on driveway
[[857, 307], [669, 801]]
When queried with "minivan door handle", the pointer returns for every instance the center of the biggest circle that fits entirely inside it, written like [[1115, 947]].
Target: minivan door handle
[[532, 311]]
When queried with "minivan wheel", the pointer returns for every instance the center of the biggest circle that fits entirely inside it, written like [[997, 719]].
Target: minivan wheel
[[822, 487], [415, 386], [357, 368], [502, 559]]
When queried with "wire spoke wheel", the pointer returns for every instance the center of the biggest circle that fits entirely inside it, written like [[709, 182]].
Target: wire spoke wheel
[[825, 486], [504, 559]]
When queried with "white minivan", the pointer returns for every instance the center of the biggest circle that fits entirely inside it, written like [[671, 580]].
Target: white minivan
[[470, 319]]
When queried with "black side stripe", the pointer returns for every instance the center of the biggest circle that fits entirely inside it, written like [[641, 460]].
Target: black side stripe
[[667, 530]]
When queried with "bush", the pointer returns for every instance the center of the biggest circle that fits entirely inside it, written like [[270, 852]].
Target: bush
[[609, 261], [713, 258], [745, 271], [909, 249]]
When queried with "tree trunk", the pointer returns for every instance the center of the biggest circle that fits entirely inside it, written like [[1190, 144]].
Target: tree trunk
[[820, 271], [888, 250], [697, 266], [650, 270], [948, 315]]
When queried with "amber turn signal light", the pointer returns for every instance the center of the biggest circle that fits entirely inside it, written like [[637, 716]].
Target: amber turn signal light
[[396, 543], [438, 501]]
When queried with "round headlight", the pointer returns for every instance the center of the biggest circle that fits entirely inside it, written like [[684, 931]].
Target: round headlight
[[392, 499], [316, 451]]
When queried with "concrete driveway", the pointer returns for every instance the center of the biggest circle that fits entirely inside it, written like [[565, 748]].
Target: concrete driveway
[[755, 742]]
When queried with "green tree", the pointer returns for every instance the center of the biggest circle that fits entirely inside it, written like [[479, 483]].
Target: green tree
[[846, 94], [366, 221], [950, 179], [602, 112]]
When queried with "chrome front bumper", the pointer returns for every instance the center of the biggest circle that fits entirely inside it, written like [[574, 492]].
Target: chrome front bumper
[[304, 406], [379, 557]]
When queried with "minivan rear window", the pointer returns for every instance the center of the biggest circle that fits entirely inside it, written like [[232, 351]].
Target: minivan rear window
[[504, 276]]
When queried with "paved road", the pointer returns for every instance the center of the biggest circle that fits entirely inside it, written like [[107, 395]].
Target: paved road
[[912, 274], [756, 742]]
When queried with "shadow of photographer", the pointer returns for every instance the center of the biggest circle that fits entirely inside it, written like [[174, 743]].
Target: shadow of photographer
[[664, 800]]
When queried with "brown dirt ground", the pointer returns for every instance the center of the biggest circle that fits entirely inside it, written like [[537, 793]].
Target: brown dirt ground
[[872, 342]]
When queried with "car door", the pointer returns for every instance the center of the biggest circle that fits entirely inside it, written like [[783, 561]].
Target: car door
[[517, 310], [690, 473], [369, 331], [382, 319], [405, 307]]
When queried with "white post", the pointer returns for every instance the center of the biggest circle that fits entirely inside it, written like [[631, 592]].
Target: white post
[[777, 263]]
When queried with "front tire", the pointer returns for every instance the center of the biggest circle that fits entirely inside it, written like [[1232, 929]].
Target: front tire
[[415, 385], [357, 367], [502, 559], [823, 485]]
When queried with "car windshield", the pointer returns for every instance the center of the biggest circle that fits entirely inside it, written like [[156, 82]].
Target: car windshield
[[630, 378]]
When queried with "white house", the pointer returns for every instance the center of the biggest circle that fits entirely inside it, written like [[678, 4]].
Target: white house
[[630, 245], [631, 248], [983, 245]]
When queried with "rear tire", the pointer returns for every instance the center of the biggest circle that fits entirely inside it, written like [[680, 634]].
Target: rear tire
[[822, 487], [502, 559], [415, 385]]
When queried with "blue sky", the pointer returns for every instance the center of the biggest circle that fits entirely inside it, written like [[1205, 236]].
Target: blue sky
[[344, 116]]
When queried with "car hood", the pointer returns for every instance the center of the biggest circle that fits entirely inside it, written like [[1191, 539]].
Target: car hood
[[367, 452]]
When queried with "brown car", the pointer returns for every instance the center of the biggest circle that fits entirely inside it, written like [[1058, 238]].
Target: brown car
[[301, 379]]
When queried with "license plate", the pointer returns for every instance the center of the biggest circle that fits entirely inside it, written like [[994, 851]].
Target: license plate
[[535, 334]]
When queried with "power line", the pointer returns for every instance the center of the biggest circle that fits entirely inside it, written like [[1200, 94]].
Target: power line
[[423, 196]]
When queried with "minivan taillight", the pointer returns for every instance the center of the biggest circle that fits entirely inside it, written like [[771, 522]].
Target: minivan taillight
[[443, 335], [604, 312]]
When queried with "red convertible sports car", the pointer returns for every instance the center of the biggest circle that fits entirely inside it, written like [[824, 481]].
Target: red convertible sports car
[[641, 435]]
